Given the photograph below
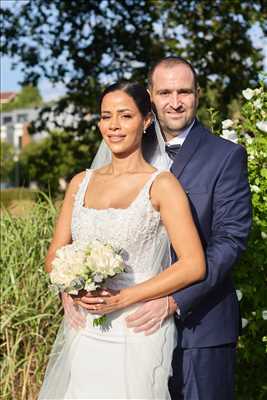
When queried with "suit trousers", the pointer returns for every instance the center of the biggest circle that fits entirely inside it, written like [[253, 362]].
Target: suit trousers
[[203, 373]]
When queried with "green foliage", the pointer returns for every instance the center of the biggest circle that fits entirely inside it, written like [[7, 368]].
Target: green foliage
[[30, 314], [86, 44], [250, 129], [29, 96], [60, 155], [7, 163], [10, 195]]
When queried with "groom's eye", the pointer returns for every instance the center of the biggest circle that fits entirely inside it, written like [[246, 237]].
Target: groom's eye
[[127, 116], [105, 116], [164, 92]]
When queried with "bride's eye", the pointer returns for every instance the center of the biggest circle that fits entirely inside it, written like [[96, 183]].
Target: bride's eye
[[126, 116], [105, 117]]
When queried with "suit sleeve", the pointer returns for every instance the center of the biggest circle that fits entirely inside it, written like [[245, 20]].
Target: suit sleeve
[[231, 221]]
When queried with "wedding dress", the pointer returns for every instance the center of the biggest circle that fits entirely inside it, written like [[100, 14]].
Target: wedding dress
[[113, 362]]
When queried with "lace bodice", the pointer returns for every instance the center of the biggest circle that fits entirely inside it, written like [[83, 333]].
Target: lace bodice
[[138, 230]]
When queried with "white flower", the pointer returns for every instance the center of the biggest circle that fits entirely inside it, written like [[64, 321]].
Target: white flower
[[258, 91], [239, 294], [230, 134], [264, 314], [264, 235], [262, 126], [257, 104], [248, 138], [227, 123], [255, 188], [244, 322], [248, 93]]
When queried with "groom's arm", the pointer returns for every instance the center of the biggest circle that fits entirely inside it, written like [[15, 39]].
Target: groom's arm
[[231, 221]]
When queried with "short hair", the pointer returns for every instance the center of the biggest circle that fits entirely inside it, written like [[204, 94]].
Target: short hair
[[135, 90], [171, 61]]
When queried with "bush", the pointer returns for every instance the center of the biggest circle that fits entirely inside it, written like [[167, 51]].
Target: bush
[[10, 195], [250, 129]]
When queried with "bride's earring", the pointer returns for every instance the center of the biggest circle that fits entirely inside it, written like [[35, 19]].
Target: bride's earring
[[144, 131]]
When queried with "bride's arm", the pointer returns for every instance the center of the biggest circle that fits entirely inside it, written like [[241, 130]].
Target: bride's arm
[[169, 198], [62, 231]]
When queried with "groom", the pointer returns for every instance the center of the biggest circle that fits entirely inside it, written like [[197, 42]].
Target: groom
[[213, 172]]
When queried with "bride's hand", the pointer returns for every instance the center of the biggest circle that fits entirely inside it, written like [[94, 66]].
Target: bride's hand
[[104, 301]]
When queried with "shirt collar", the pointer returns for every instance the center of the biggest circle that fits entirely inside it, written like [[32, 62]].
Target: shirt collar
[[180, 138]]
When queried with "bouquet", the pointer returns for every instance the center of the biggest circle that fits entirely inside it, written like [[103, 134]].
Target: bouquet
[[85, 266]]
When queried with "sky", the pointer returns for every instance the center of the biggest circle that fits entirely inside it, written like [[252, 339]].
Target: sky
[[9, 79]]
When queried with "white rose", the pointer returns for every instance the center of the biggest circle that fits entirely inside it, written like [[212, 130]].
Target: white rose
[[248, 93], [230, 134], [227, 123], [262, 126]]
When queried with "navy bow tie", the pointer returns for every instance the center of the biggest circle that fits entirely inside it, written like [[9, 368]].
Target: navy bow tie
[[172, 150]]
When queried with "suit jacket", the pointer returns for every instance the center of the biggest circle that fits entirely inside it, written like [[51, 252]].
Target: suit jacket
[[213, 172]]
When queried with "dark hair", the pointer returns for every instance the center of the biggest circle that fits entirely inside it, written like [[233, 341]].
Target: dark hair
[[169, 62], [135, 90]]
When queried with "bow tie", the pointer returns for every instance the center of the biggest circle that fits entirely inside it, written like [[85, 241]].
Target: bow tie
[[172, 150]]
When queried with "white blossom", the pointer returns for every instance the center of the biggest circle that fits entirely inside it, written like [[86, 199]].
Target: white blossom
[[244, 322], [239, 294], [264, 235], [262, 126], [255, 188], [248, 93], [230, 134], [227, 123], [257, 104], [248, 138], [264, 314]]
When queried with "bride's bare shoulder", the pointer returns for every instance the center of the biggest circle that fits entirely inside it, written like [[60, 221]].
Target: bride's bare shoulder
[[165, 183]]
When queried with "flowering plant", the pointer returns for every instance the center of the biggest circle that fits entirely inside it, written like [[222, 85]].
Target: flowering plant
[[249, 128], [85, 266]]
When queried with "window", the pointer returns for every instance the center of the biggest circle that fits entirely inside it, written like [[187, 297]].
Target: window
[[22, 118], [7, 120]]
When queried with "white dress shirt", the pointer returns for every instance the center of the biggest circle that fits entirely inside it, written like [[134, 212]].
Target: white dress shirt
[[179, 139]]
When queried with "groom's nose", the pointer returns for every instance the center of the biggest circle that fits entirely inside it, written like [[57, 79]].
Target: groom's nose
[[174, 100]]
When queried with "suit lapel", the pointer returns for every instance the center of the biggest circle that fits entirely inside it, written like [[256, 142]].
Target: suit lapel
[[188, 148]]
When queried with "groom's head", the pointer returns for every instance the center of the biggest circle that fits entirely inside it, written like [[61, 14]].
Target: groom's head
[[174, 91]]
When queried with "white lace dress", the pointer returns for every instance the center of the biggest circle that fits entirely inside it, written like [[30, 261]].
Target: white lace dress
[[115, 363]]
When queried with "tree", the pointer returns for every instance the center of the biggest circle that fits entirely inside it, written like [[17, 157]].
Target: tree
[[29, 96], [7, 161], [60, 155], [87, 43]]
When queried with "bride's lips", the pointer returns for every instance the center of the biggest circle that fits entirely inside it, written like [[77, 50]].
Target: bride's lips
[[116, 138]]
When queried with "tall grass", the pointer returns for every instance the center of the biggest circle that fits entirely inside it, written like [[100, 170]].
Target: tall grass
[[30, 313]]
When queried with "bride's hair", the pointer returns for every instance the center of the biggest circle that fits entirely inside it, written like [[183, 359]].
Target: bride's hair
[[135, 90]]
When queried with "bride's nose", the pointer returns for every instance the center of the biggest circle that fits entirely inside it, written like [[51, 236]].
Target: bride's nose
[[114, 123]]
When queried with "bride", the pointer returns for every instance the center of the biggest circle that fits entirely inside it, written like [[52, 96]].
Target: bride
[[140, 209]]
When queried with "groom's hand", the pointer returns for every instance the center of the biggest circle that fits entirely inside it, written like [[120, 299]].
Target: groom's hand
[[150, 316]]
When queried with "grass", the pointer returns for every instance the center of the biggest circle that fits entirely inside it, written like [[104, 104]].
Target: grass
[[30, 313]]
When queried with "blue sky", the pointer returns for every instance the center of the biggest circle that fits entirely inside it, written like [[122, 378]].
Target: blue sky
[[10, 78]]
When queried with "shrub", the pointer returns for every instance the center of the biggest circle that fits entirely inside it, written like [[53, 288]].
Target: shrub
[[250, 129]]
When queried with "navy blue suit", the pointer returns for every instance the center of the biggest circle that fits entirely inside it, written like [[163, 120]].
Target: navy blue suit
[[213, 172]]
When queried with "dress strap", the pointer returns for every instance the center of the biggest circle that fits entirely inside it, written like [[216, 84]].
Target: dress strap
[[79, 196], [149, 183]]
